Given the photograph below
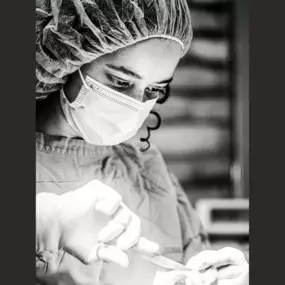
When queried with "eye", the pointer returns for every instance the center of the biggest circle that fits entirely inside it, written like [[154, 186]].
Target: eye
[[118, 82], [155, 91]]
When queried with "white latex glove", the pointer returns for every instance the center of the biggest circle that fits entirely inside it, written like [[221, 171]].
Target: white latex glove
[[169, 278], [81, 222], [185, 278], [237, 273]]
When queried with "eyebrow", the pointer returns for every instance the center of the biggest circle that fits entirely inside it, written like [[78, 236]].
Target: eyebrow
[[124, 70], [165, 81], [133, 74]]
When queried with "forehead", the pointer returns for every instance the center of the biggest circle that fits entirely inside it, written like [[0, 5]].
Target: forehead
[[154, 59]]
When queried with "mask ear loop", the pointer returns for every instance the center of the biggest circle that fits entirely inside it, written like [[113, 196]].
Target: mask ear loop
[[82, 93], [82, 79]]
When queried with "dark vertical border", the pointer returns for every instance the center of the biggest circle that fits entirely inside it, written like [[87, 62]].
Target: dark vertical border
[[17, 121], [267, 142], [232, 93], [241, 110]]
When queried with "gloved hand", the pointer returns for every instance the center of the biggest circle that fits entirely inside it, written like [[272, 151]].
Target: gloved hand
[[90, 223], [194, 277], [237, 273]]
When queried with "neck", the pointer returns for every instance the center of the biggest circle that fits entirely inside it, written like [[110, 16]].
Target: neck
[[51, 120]]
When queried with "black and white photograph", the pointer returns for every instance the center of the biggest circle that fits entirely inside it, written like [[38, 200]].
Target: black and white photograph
[[142, 142]]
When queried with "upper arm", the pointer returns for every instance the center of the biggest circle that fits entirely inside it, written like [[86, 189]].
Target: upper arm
[[195, 238]]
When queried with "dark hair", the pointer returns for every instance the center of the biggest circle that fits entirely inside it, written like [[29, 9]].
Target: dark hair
[[156, 114]]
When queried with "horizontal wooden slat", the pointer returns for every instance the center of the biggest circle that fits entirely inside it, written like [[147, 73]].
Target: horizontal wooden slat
[[187, 140], [211, 34], [195, 193], [219, 182], [214, 123], [189, 77], [204, 63], [209, 50], [207, 20], [195, 108], [200, 92], [198, 156], [208, 181], [188, 170], [186, 120]]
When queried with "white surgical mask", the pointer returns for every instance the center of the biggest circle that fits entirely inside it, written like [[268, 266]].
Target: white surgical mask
[[104, 116]]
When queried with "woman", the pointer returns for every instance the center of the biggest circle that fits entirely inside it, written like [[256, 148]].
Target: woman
[[101, 200]]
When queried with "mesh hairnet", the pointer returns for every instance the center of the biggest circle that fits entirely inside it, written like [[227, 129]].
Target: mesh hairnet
[[71, 33]]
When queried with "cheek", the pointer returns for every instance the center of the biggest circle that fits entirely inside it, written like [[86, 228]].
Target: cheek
[[135, 92]]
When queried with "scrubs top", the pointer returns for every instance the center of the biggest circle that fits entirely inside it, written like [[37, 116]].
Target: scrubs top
[[148, 188]]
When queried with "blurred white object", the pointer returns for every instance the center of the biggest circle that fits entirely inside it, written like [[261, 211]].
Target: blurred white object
[[168, 278], [206, 207], [185, 278]]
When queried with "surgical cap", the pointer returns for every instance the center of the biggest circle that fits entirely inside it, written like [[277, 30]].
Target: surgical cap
[[71, 33]]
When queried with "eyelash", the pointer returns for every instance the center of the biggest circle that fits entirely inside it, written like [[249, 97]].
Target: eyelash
[[118, 83], [121, 84]]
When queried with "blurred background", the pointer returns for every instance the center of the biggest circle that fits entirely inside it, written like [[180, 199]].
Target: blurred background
[[204, 134]]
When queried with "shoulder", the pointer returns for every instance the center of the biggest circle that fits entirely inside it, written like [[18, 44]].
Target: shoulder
[[151, 165]]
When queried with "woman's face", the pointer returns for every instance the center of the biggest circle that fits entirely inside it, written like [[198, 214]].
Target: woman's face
[[141, 71]]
